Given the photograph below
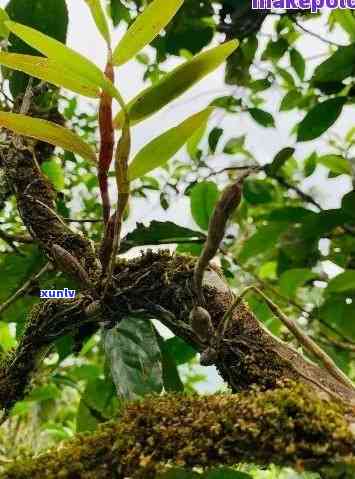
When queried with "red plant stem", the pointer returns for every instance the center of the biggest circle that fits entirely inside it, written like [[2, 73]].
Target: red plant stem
[[107, 136]]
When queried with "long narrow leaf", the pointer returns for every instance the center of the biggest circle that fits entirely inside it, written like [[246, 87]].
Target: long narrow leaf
[[4, 31], [98, 15], [49, 71], [175, 83], [146, 27], [62, 54], [159, 151], [48, 132]]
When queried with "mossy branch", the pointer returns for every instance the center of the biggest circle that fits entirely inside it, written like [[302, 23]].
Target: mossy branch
[[286, 426]]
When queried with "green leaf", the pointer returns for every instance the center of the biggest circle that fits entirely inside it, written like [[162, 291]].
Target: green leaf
[[337, 67], [97, 403], [99, 19], [258, 192], [48, 132], [292, 279], [262, 241], [310, 164], [48, 16], [194, 141], [15, 270], [160, 150], [180, 350], [234, 145], [262, 117], [214, 138], [279, 160], [348, 203], [145, 28], [171, 377], [336, 164], [175, 83], [54, 171], [298, 63], [4, 17], [49, 71], [160, 233], [62, 54], [203, 198], [44, 393], [339, 313], [135, 358], [320, 118], [290, 100], [346, 20], [119, 12], [343, 282]]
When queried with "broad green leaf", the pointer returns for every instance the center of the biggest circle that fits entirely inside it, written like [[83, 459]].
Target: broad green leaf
[[99, 17], [160, 150], [48, 16], [262, 117], [279, 160], [171, 377], [258, 192], [175, 83], [336, 164], [203, 198], [346, 20], [337, 67], [180, 350], [49, 71], [343, 282], [98, 402], [339, 313], [4, 17], [146, 27], [293, 279], [160, 233], [54, 170], [134, 357], [48, 132], [192, 145], [262, 241], [290, 100], [62, 54], [298, 63], [320, 118]]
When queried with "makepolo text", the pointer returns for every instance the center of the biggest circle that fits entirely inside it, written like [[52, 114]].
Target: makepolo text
[[313, 5]]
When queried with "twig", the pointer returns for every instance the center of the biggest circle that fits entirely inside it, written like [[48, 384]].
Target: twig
[[316, 35], [24, 288], [302, 338]]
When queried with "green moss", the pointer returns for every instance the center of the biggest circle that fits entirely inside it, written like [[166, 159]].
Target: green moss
[[286, 426]]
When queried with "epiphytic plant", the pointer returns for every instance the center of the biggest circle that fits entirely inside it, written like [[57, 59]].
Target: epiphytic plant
[[66, 68]]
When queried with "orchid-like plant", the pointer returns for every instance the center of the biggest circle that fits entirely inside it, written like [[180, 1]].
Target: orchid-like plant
[[66, 68]]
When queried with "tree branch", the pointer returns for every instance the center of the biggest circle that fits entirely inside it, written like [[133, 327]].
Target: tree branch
[[286, 426]]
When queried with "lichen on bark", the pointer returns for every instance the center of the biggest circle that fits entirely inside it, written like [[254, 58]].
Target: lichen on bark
[[285, 426]]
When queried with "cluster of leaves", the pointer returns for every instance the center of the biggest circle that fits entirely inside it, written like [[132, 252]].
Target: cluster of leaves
[[281, 237]]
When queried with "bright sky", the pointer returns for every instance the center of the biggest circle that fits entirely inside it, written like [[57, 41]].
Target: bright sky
[[264, 143]]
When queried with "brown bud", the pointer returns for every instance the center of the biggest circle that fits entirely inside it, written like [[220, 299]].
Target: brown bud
[[200, 321]]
